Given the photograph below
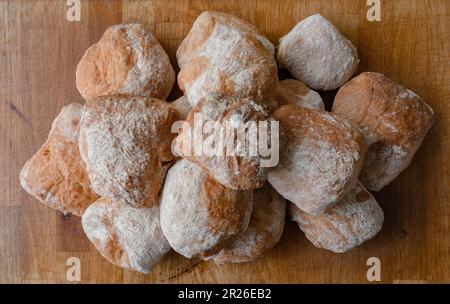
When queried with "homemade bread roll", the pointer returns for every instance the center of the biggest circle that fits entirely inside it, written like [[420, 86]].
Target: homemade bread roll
[[354, 220], [224, 54], [291, 91], [316, 53], [127, 237], [183, 106], [56, 175], [126, 60], [232, 164], [126, 145], [263, 232], [321, 160], [198, 215], [393, 120]]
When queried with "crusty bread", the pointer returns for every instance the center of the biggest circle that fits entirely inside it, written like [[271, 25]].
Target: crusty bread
[[126, 145], [56, 175], [224, 54], [183, 106], [354, 220], [322, 158], [238, 171], [198, 215], [263, 232], [291, 91], [126, 60], [316, 53], [393, 119], [127, 237]]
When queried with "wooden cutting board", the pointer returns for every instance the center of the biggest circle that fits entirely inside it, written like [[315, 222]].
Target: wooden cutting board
[[39, 51]]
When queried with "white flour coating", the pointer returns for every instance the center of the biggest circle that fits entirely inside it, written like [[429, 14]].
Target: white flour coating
[[50, 198], [235, 63], [313, 101], [24, 177], [194, 225], [229, 24], [354, 220], [317, 171], [236, 169], [68, 122], [264, 230], [407, 94], [183, 106], [296, 92], [123, 144], [316, 53], [314, 172], [244, 27], [152, 69], [128, 237]]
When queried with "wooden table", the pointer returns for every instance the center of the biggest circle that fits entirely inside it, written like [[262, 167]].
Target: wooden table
[[39, 51]]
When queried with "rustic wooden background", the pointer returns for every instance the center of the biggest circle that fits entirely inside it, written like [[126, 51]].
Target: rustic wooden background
[[39, 51]]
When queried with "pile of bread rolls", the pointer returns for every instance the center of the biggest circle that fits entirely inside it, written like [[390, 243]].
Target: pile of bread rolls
[[110, 160]]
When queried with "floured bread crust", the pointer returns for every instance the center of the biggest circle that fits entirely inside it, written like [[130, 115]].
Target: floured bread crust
[[127, 237], [241, 170], [126, 144], [183, 106], [353, 221], [224, 54], [198, 215], [316, 53], [291, 91], [321, 160], [393, 119], [56, 175], [263, 232], [126, 60]]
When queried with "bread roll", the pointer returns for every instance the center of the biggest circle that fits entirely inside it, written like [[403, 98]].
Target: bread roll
[[183, 106], [127, 237], [126, 144], [224, 54], [234, 168], [354, 220], [263, 232], [198, 215], [56, 175], [316, 53], [321, 160], [393, 119], [291, 91], [126, 60]]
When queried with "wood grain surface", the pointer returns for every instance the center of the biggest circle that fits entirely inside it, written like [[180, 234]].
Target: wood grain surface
[[39, 51]]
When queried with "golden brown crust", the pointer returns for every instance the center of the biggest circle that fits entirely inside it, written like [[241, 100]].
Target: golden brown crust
[[126, 144], [291, 91], [126, 60], [263, 232], [56, 175], [393, 119], [321, 160]]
